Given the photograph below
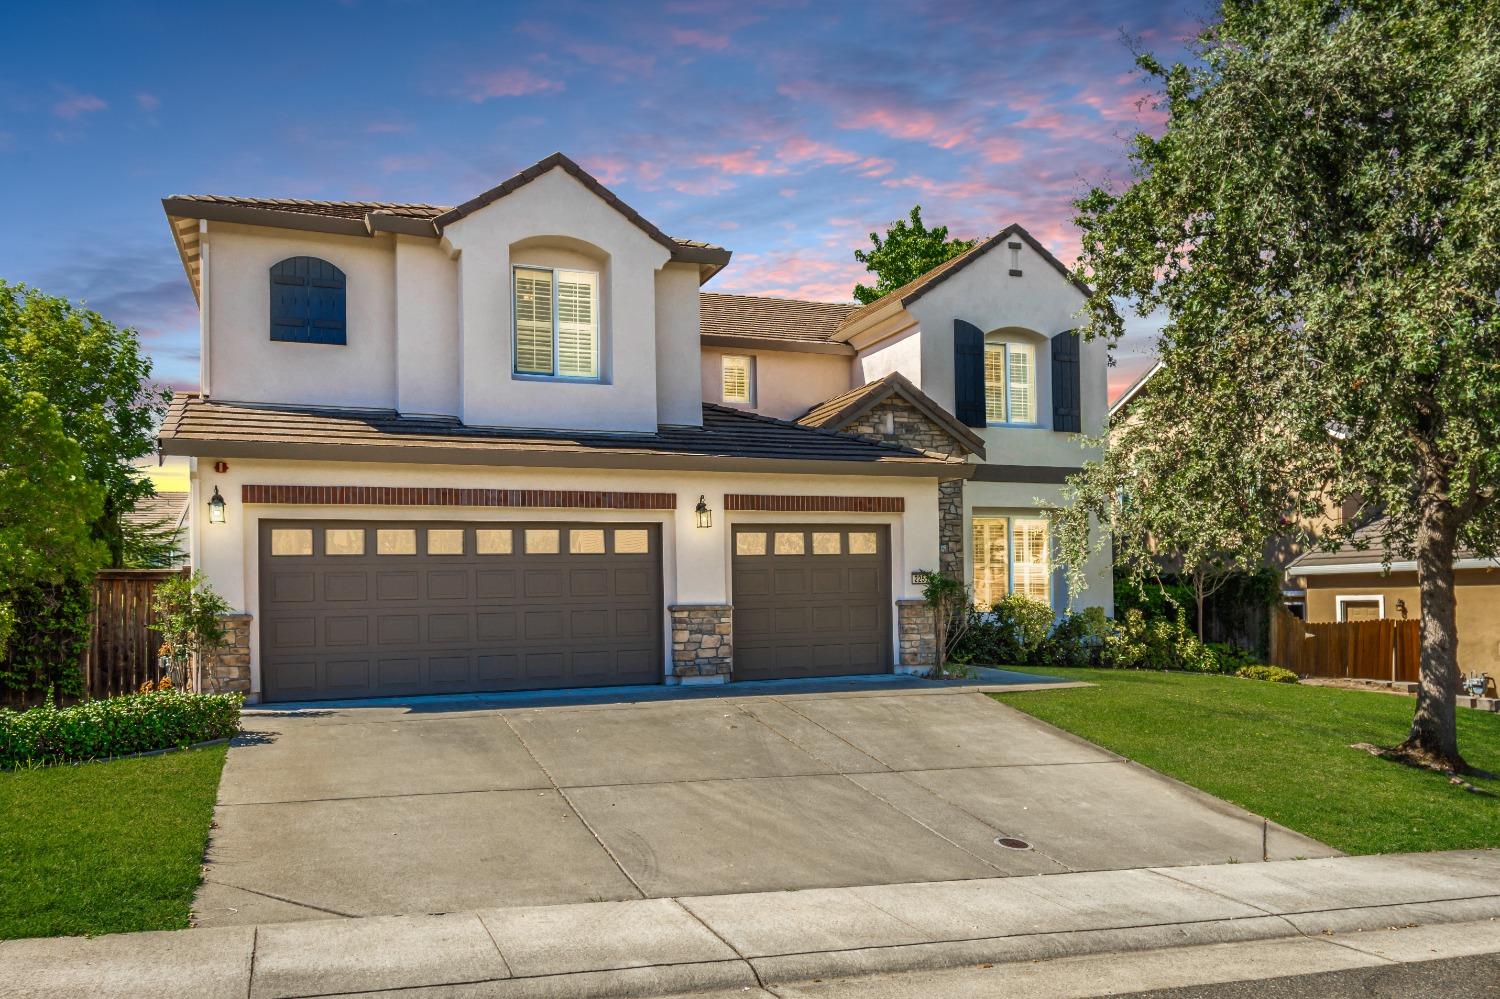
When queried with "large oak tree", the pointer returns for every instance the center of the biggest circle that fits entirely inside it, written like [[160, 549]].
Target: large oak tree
[[1320, 219]]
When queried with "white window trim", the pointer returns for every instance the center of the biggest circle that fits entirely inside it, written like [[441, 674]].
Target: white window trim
[[1356, 598], [1036, 400], [598, 375], [749, 360]]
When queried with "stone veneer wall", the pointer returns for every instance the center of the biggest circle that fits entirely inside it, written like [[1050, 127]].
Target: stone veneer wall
[[702, 641], [910, 427], [229, 669], [917, 631]]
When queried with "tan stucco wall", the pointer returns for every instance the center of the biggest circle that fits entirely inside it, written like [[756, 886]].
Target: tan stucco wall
[[245, 365], [696, 561], [787, 383], [1478, 607]]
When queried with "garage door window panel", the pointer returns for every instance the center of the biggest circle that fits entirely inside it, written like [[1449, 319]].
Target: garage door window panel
[[401, 541], [445, 542], [291, 541], [343, 541], [542, 542], [586, 541], [488, 541], [827, 543], [750, 543], [790, 543], [632, 541]]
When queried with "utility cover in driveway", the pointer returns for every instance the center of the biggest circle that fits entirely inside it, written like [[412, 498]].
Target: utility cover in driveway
[[373, 609], [811, 600]]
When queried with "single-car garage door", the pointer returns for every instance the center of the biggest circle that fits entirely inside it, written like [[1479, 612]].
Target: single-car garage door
[[811, 600], [374, 609]]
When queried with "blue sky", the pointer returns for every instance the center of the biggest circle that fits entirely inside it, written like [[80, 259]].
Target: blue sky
[[785, 131]]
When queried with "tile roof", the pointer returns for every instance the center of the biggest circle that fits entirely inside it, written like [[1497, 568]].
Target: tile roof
[[728, 437], [329, 209], [838, 412], [161, 508], [763, 317], [1362, 549], [919, 286]]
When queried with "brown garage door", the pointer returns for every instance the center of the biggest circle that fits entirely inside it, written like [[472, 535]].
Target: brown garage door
[[367, 609], [811, 600]]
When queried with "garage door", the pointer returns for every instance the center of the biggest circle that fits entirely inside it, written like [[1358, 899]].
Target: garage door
[[811, 600], [366, 609]]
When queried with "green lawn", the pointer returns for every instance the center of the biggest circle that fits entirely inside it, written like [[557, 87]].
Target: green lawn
[[1280, 750], [105, 847]]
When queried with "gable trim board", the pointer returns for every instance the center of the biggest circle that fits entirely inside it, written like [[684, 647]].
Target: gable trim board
[[842, 410]]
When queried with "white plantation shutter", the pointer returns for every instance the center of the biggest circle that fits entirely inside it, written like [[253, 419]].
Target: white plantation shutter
[[736, 378], [1021, 382], [991, 560], [577, 324], [994, 382], [1031, 568], [533, 321]]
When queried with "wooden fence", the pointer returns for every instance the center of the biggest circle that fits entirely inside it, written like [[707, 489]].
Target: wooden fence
[[122, 653], [1361, 650]]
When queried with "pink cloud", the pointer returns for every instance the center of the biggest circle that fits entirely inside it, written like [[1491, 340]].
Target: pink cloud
[[699, 39], [147, 102], [400, 163], [624, 61], [912, 124], [513, 82], [792, 274], [78, 104], [744, 161]]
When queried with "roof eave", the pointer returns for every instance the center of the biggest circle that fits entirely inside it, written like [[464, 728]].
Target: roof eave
[[272, 217], [772, 343]]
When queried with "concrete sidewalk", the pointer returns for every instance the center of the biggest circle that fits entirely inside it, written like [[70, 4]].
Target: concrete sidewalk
[[767, 941]]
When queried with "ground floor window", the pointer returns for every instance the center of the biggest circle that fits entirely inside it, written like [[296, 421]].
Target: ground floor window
[[1361, 607], [1011, 555]]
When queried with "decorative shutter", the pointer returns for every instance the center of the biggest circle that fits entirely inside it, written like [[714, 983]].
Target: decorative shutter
[[1067, 395], [968, 373], [308, 301]]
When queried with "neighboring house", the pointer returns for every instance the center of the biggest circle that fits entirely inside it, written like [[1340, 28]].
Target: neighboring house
[[166, 512], [510, 444], [1352, 584]]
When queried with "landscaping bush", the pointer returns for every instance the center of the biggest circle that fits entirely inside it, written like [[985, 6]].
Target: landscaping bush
[[1162, 644], [1078, 640], [1010, 633], [117, 726], [51, 627], [1274, 674]]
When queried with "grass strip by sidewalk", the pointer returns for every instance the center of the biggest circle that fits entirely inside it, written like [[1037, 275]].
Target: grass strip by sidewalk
[[1281, 750], [106, 847]]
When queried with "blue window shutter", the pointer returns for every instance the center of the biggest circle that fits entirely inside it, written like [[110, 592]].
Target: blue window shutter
[[1067, 395], [968, 373], [307, 301]]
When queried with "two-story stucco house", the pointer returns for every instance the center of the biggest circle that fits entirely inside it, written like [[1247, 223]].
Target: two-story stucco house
[[512, 445]]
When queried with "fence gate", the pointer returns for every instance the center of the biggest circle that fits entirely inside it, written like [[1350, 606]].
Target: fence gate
[[1385, 649], [121, 653]]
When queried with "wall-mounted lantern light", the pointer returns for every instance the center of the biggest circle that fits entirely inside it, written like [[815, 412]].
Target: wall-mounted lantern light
[[704, 514], [216, 508]]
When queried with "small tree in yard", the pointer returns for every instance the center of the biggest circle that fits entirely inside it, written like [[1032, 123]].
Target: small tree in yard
[[190, 617], [1320, 220], [951, 605], [908, 250]]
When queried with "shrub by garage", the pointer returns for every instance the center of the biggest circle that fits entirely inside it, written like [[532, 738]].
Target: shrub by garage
[[117, 726]]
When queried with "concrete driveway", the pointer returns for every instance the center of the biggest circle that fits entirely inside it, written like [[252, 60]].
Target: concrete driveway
[[450, 805]]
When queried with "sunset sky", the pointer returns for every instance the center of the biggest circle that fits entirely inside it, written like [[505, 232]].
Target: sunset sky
[[785, 131]]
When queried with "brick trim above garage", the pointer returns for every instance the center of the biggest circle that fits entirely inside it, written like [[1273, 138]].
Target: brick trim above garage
[[570, 499], [816, 504]]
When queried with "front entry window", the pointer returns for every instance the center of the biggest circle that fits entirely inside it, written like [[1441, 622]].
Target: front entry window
[[1011, 555]]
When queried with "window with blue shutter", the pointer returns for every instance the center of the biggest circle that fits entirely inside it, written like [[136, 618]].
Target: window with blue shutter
[[307, 301], [968, 373], [1067, 393]]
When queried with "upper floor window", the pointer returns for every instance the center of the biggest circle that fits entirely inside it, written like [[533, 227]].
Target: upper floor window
[[307, 301], [737, 378], [1009, 382], [557, 322]]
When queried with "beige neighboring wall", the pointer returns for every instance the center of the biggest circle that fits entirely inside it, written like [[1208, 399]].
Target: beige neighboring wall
[[248, 366], [787, 383], [1478, 607]]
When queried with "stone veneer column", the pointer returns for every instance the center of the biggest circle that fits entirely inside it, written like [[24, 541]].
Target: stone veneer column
[[917, 631], [895, 421], [702, 643], [229, 669]]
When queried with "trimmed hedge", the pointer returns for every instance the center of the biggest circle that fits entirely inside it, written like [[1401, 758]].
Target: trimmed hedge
[[1275, 674], [117, 726]]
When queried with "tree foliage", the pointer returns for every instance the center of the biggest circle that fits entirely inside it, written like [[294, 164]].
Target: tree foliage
[[1320, 220], [908, 250], [97, 380]]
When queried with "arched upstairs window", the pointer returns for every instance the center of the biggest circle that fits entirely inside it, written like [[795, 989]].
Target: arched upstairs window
[[307, 301]]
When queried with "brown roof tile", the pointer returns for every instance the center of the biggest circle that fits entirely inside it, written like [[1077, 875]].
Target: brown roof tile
[[769, 318], [195, 426], [162, 508], [838, 412]]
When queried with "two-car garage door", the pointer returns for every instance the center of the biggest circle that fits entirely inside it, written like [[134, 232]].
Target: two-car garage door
[[370, 609]]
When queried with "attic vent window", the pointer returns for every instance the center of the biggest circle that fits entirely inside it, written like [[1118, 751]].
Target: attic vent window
[[1015, 259]]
